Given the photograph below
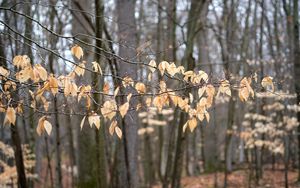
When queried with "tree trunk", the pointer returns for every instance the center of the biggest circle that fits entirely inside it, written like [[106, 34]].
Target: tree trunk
[[127, 34], [22, 183]]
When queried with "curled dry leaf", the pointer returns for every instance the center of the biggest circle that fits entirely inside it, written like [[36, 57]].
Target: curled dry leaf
[[118, 132], [82, 122], [127, 81], [79, 69], [129, 97], [224, 88], [4, 72], [140, 87], [109, 109], [25, 74], [97, 68], [124, 109], [94, 119], [245, 89], [10, 117], [43, 125], [172, 69], [112, 127], [162, 67], [21, 61], [53, 84], [152, 66], [192, 124], [77, 51], [267, 82], [116, 91], [41, 72]]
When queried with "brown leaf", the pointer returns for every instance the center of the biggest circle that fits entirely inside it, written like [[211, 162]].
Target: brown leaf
[[77, 51]]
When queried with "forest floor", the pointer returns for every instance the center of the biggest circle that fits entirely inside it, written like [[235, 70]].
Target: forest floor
[[240, 178]]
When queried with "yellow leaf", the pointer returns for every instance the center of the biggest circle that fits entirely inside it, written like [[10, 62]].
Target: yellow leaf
[[207, 116], [77, 51], [140, 87], [53, 84], [21, 61], [192, 124], [96, 67], [201, 91], [24, 74], [191, 98], [116, 91], [82, 122], [224, 88], [42, 73], [129, 97], [112, 127], [10, 117], [94, 119], [152, 66], [109, 109], [148, 101], [203, 75], [48, 127], [123, 109], [118, 132], [185, 126], [267, 82], [40, 128], [4, 72], [43, 125], [162, 67], [127, 81], [79, 69], [187, 75], [149, 77], [172, 69], [245, 89]]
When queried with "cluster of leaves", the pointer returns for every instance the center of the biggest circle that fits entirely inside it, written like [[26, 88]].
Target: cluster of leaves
[[195, 104], [268, 130], [8, 173]]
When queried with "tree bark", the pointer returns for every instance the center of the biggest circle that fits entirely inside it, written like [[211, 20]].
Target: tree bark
[[127, 34]]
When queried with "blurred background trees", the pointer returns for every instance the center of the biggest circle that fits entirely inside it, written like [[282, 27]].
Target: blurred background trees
[[228, 39]]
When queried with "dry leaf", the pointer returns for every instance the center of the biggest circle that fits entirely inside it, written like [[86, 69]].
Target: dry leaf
[[82, 122], [94, 119], [48, 127], [152, 66], [77, 51], [162, 67], [123, 109], [109, 109], [21, 61], [4, 72], [10, 117], [118, 132], [112, 127], [140, 87], [79, 69], [127, 81], [116, 91], [96, 67], [267, 82]]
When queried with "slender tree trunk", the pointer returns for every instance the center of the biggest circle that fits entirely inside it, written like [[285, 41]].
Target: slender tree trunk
[[22, 182], [99, 134], [127, 33]]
